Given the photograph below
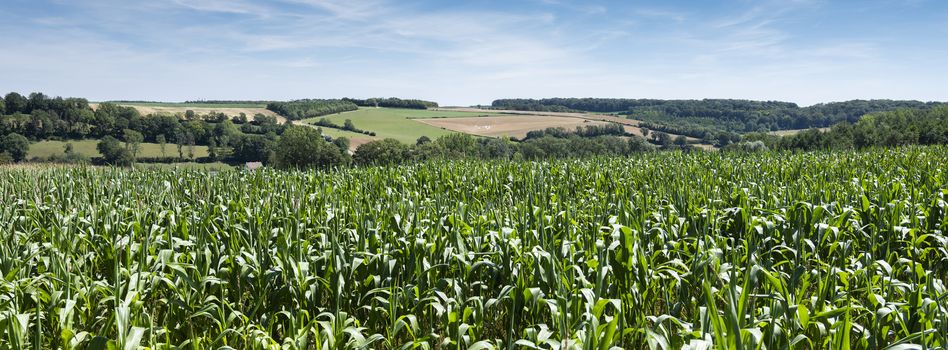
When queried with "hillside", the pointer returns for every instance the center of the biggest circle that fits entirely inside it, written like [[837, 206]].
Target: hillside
[[709, 118]]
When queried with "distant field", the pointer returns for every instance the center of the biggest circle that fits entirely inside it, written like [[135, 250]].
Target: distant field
[[199, 108], [45, 149], [793, 131], [399, 124], [192, 105], [218, 166], [516, 126]]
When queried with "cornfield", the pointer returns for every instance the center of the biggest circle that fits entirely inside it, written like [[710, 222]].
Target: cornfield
[[841, 250]]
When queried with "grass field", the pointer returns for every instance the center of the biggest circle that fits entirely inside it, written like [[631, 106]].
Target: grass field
[[665, 250], [45, 149], [395, 123]]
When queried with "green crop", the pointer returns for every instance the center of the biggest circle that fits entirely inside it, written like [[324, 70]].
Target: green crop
[[843, 250]]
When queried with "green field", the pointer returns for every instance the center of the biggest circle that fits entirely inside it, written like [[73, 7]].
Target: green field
[[45, 149], [664, 250], [394, 123]]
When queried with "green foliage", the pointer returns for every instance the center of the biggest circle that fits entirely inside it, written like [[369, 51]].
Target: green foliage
[[381, 152], [132, 140], [305, 148], [393, 103], [699, 118], [884, 129], [252, 148], [114, 153], [302, 109], [666, 250], [15, 145]]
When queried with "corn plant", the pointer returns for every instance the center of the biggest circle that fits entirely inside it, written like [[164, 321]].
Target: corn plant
[[841, 250]]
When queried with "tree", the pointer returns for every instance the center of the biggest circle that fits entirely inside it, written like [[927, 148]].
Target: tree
[[15, 145], [212, 149], [161, 143], [381, 152], [348, 125], [113, 152], [663, 139], [422, 140], [190, 139], [304, 147], [343, 144], [681, 140], [252, 148], [133, 140], [16, 103]]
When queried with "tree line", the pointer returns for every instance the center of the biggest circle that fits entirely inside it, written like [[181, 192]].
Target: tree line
[[348, 125], [393, 102], [706, 119], [40, 117], [309, 108], [302, 147], [882, 129], [302, 109]]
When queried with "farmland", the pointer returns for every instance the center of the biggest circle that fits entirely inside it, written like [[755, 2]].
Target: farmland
[[511, 126], [146, 108], [843, 250], [87, 148], [399, 124]]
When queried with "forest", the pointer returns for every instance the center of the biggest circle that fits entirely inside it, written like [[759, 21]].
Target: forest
[[393, 102], [883, 129], [706, 119], [302, 109]]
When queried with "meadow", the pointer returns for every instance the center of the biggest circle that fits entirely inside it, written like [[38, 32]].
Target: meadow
[[396, 123], [44, 149], [669, 250]]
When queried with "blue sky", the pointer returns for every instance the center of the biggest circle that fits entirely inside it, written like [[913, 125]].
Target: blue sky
[[470, 52]]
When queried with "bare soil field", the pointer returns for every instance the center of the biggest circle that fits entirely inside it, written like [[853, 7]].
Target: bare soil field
[[514, 125]]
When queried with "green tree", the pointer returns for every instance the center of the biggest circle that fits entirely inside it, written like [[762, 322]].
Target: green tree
[[304, 147], [348, 125], [252, 148], [15, 145], [343, 144], [133, 139], [16, 103], [422, 140], [113, 152], [161, 143], [681, 140], [381, 152]]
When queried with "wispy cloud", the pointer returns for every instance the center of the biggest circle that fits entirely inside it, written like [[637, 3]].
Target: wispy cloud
[[461, 53]]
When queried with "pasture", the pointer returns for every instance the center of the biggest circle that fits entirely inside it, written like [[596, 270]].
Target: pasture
[[399, 124], [43, 149]]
